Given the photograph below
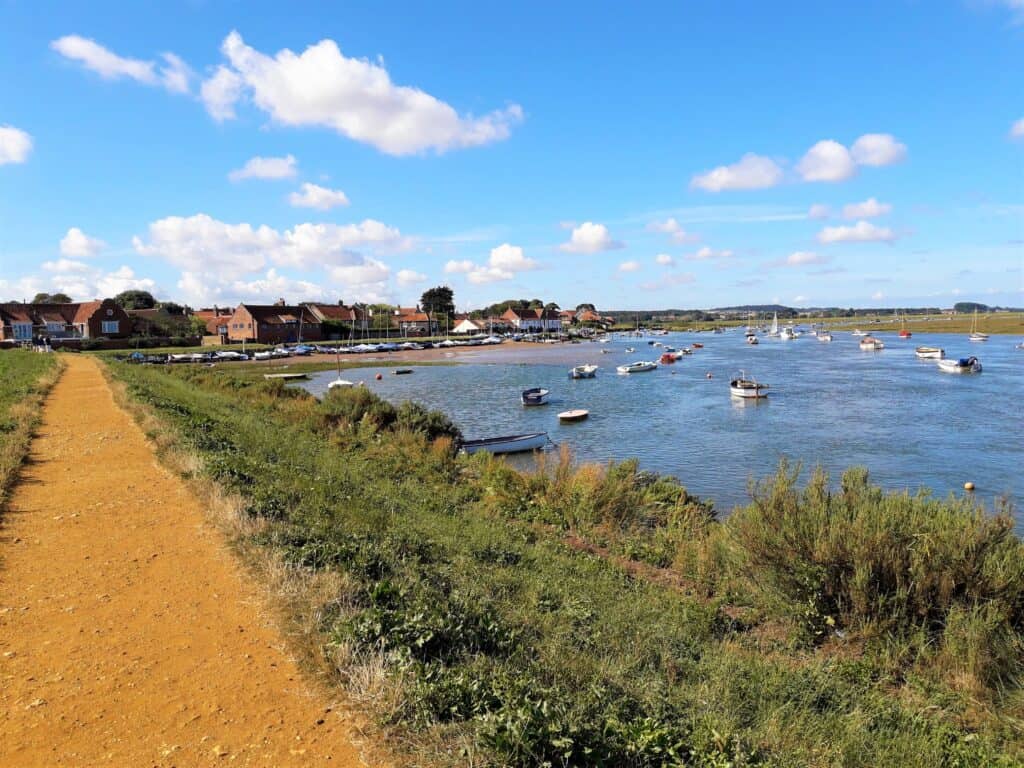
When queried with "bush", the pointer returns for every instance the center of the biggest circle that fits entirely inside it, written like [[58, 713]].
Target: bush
[[347, 407], [431, 424]]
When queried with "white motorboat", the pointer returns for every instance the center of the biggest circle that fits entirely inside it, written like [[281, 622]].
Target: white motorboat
[[824, 336], [963, 365], [930, 353], [871, 344], [588, 371], [508, 444], [743, 387], [858, 332], [637, 367], [752, 339], [787, 334], [535, 396]]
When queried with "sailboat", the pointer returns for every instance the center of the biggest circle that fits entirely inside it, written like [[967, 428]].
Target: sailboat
[[775, 325], [976, 335], [339, 382], [904, 333]]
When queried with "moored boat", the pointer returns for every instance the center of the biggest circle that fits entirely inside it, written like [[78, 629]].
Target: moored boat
[[637, 367], [576, 414], [752, 339], [340, 383], [976, 335], [750, 388], [535, 396], [871, 344], [667, 358], [508, 444], [962, 365], [930, 353], [588, 371], [824, 336], [787, 334], [858, 332], [697, 345]]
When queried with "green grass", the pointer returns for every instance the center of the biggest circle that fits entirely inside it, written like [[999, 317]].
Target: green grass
[[478, 635], [25, 378]]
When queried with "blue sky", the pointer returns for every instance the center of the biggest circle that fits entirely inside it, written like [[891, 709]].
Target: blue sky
[[669, 155]]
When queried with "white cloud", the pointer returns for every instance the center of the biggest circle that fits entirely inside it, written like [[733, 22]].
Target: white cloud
[[315, 196], [877, 295], [77, 244], [672, 228], [707, 254], [827, 161], [354, 97], [751, 172], [800, 259], [173, 74], [589, 237], [84, 281], [265, 168], [407, 277], [15, 145], [861, 232], [878, 149], [868, 209], [629, 266], [201, 244], [510, 258], [1017, 129], [122, 279], [504, 262], [459, 267], [67, 266], [819, 211], [482, 275], [664, 260]]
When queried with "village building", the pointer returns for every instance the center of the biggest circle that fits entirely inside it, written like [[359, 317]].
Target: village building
[[414, 322], [533, 320], [79, 320], [278, 323], [467, 325], [217, 320], [339, 321]]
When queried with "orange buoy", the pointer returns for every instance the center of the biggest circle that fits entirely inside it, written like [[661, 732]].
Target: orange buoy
[[378, 377]]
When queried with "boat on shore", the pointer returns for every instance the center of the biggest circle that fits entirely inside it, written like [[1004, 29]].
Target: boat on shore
[[576, 414], [747, 388], [588, 371], [962, 365], [930, 353], [533, 441], [871, 344], [535, 396], [637, 367]]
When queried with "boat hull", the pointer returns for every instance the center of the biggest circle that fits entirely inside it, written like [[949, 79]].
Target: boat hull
[[574, 415], [755, 392], [967, 365], [508, 444], [535, 397], [930, 353]]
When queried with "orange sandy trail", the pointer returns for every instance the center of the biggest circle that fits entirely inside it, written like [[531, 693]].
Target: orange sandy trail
[[128, 635]]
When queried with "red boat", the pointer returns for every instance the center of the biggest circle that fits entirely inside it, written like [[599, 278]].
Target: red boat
[[697, 345], [667, 357], [905, 334]]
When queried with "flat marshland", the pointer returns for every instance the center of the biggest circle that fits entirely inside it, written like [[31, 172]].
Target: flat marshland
[[601, 615]]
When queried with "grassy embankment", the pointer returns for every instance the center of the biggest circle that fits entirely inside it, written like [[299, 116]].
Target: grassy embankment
[[602, 616], [25, 378]]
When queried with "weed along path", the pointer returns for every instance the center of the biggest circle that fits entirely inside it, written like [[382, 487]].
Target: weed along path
[[128, 634]]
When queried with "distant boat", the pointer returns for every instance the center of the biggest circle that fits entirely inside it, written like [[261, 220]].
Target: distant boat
[[752, 339], [697, 345], [508, 444], [824, 336], [286, 376], [963, 365], [667, 358], [583, 372], [976, 335], [871, 344], [535, 396], [630, 350], [637, 367], [774, 330], [930, 353], [904, 333], [577, 414], [402, 371], [858, 332], [340, 383], [787, 334], [743, 387]]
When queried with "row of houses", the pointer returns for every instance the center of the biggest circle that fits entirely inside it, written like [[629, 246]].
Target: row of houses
[[530, 321], [80, 320]]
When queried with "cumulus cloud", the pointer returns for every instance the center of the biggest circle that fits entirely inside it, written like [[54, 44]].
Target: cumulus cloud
[[265, 168], [15, 145], [664, 260], [800, 259], [1016, 130], [819, 211], [504, 262], [354, 97], [589, 237], [173, 74], [868, 209], [320, 198], [455, 267], [629, 266], [878, 149], [861, 232], [202, 244], [511, 258], [708, 254], [673, 229], [85, 282], [751, 172], [406, 277], [827, 161], [77, 244]]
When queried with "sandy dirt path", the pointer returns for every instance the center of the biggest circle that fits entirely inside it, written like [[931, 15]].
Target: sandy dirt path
[[128, 634]]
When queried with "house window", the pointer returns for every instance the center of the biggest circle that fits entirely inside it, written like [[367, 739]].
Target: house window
[[109, 326], [22, 331], [54, 327]]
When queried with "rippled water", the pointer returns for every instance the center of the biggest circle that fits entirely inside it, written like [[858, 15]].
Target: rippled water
[[910, 424]]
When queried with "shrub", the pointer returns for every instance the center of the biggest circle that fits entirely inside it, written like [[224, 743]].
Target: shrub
[[347, 407], [431, 424]]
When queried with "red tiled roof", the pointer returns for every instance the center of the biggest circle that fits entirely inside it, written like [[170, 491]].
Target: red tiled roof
[[413, 317]]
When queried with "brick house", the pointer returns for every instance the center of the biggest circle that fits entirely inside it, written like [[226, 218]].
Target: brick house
[[78, 320], [533, 320], [413, 322], [353, 319], [273, 324], [217, 319]]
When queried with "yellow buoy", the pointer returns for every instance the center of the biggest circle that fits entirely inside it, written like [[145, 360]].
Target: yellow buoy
[[968, 486]]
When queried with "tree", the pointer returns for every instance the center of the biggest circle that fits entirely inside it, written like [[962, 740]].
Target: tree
[[171, 307], [552, 306], [585, 306], [536, 304], [135, 300], [51, 298], [438, 300]]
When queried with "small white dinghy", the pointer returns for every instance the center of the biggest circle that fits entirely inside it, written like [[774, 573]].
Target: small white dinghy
[[824, 336], [752, 339], [746, 388], [963, 365], [576, 414], [930, 353], [508, 444], [588, 371], [535, 396], [637, 367], [871, 344]]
